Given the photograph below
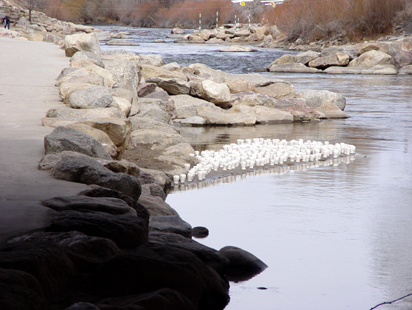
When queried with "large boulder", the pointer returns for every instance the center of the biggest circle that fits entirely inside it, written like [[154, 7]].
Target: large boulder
[[315, 98], [186, 106], [82, 203], [242, 264], [82, 55], [372, 46], [153, 108], [252, 99], [170, 224], [68, 139], [279, 90], [122, 104], [141, 123], [99, 135], [91, 98], [153, 71], [348, 50], [159, 93], [217, 93], [293, 68], [337, 59], [370, 59], [108, 77], [265, 115], [402, 58], [124, 69], [171, 86], [81, 75], [239, 86], [306, 57], [156, 206], [66, 89], [65, 113], [330, 110], [86, 170], [82, 42], [127, 231], [118, 129], [237, 115]]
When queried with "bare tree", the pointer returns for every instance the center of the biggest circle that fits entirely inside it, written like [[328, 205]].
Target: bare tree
[[34, 4]]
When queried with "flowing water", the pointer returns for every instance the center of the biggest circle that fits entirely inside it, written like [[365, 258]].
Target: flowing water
[[334, 237]]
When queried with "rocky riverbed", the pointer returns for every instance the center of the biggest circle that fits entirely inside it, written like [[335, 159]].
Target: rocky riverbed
[[118, 243]]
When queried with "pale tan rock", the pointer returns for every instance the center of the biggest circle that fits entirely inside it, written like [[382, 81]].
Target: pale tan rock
[[153, 71], [337, 59], [278, 90], [121, 104], [99, 135], [82, 42], [66, 89], [330, 110], [218, 93], [265, 115], [239, 86], [370, 59], [109, 78]]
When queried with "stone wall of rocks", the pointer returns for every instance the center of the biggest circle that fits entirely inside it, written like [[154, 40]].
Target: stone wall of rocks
[[382, 58]]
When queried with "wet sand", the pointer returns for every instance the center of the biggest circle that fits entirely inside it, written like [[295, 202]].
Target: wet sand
[[27, 92]]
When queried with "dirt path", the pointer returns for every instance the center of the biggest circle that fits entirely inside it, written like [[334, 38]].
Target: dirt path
[[27, 91]]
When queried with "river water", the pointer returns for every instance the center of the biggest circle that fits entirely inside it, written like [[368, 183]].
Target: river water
[[334, 237]]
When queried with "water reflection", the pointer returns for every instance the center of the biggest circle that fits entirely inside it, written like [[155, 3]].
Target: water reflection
[[239, 175]]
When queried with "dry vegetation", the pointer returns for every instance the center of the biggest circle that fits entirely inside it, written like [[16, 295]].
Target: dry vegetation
[[350, 20], [310, 20]]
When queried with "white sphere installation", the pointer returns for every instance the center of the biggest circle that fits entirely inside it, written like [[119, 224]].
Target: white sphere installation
[[257, 153]]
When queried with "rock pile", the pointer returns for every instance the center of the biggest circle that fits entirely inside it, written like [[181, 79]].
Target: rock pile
[[41, 28], [230, 33], [383, 58]]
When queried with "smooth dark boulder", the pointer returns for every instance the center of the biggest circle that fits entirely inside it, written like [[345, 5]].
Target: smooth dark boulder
[[82, 305], [152, 267], [89, 171], [45, 261], [209, 256], [20, 290], [97, 191], [200, 232], [68, 139], [86, 204], [171, 224], [125, 230], [163, 299], [243, 265]]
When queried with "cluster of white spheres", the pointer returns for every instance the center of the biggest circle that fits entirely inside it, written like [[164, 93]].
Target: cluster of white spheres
[[258, 152]]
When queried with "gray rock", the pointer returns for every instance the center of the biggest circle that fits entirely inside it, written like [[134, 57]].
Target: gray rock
[[145, 89], [125, 70], [252, 99], [153, 108], [87, 204], [154, 60], [266, 115], [82, 55], [121, 42], [170, 224], [337, 59], [126, 231], [164, 96], [65, 113], [171, 86], [348, 50], [68, 139], [82, 42], [406, 70], [141, 123], [200, 232], [278, 90], [315, 98], [192, 121], [330, 110], [243, 265], [293, 68], [237, 115], [186, 106], [217, 93], [154, 190], [371, 59], [305, 57], [89, 171], [91, 98], [156, 206], [402, 58]]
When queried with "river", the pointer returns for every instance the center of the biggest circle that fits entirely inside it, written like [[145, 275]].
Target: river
[[334, 237]]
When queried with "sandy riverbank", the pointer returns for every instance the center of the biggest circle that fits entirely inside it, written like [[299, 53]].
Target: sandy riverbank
[[27, 91]]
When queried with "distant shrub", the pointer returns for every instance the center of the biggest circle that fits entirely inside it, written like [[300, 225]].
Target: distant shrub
[[349, 19]]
